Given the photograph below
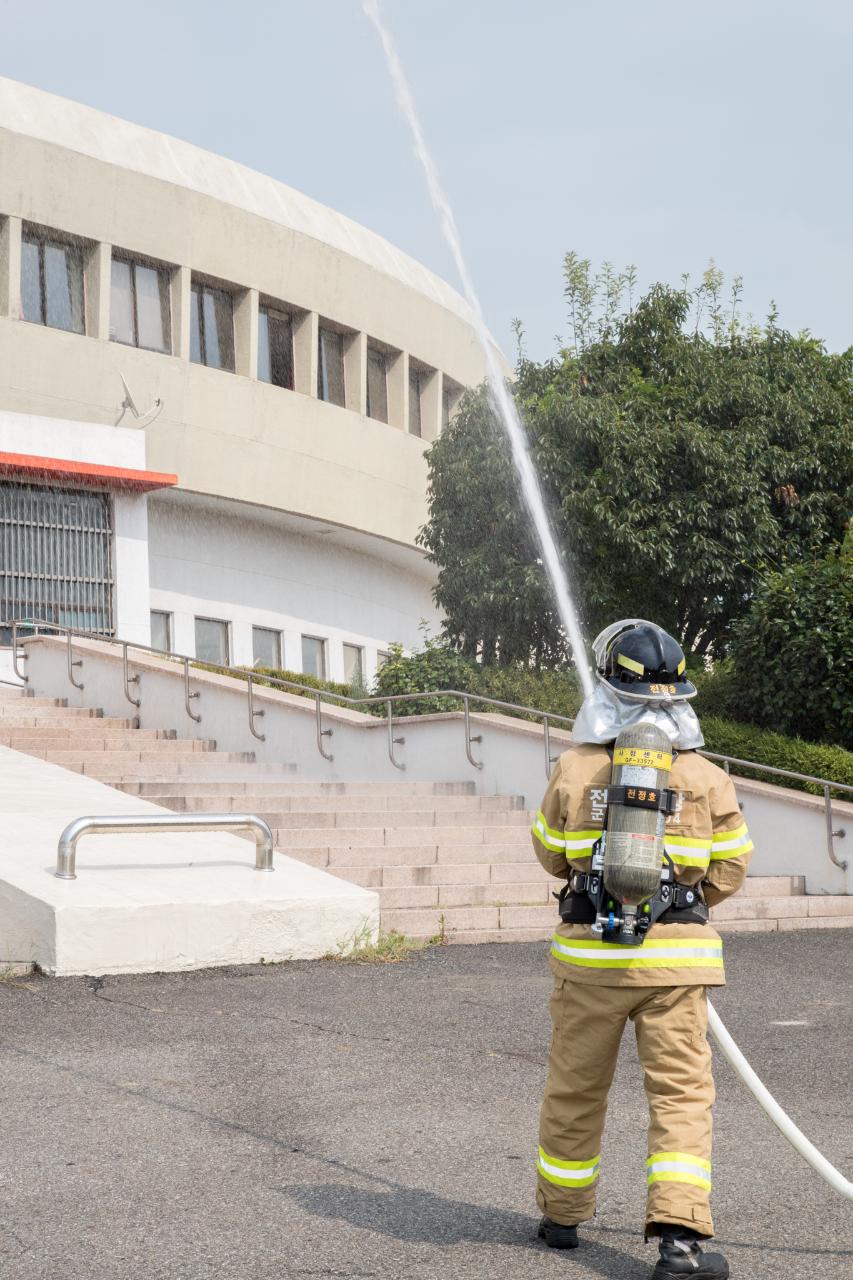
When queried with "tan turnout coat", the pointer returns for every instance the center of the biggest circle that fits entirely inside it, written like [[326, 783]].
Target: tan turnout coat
[[706, 838]]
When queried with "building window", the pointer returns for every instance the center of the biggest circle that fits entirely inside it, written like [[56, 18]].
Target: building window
[[314, 657], [275, 348], [140, 312], [52, 282], [414, 402], [211, 641], [377, 385], [353, 664], [382, 656], [449, 401], [161, 631], [330, 367], [266, 648], [212, 327]]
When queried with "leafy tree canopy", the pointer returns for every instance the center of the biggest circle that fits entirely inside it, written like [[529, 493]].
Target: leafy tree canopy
[[684, 455]]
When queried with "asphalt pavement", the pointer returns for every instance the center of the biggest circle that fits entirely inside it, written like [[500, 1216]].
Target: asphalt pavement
[[341, 1120]]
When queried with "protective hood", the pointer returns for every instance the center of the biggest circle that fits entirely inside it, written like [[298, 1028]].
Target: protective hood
[[605, 713]]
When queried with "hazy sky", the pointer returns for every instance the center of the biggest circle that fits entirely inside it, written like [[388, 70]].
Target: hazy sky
[[657, 132]]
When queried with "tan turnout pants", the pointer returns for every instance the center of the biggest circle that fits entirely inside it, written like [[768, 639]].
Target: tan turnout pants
[[671, 1025]]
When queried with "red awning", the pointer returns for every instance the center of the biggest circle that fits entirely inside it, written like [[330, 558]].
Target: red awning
[[90, 474]]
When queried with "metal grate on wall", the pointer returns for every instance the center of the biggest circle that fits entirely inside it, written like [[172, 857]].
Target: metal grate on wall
[[55, 557]]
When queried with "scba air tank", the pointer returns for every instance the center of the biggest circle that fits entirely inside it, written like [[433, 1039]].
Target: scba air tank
[[634, 845]]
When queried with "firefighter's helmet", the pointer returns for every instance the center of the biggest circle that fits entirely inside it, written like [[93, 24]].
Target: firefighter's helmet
[[642, 661]]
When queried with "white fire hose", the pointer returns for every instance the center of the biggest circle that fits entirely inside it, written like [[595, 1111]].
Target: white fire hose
[[771, 1108]]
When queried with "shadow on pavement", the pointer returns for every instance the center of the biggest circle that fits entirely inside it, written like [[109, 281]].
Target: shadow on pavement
[[417, 1216]]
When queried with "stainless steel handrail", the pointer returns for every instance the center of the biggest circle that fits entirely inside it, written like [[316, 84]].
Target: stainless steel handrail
[[466, 698], [128, 679], [133, 824]]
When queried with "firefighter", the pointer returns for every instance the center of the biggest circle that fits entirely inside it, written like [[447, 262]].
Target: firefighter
[[660, 984]]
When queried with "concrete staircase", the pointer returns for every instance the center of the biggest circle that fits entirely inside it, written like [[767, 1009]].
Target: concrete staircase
[[446, 863]]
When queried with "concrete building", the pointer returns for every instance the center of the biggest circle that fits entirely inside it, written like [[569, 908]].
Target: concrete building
[[215, 399]]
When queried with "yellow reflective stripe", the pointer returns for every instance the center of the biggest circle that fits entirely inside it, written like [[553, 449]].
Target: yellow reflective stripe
[[663, 953], [719, 855], [681, 1156], [630, 664], [736, 833], [552, 840], [687, 852], [688, 842], [693, 1180], [571, 1164], [681, 666], [562, 841], [568, 1173], [677, 1166]]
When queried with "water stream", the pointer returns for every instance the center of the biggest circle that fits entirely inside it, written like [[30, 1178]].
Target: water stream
[[503, 402]]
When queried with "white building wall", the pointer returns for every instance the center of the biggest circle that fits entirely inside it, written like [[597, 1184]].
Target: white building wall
[[210, 562], [130, 567]]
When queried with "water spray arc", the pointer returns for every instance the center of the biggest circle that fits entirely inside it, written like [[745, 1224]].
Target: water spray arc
[[503, 402], [508, 414]]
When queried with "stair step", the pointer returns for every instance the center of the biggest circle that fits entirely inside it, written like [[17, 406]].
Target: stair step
[[772, 886], [404, 837], [366, 810]]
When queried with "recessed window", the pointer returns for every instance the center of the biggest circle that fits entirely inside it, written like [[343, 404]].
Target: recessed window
[[211, 641], [52, 282], [266, 648], [212, 327], [353, 664], [414, 402], [382, 656], [161, 631], [377, 384], [140, 313], [449, 400], [275, 347], [330, 367], [314, 656]]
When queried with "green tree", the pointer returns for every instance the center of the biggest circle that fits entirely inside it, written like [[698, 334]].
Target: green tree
[[683, 455], [792, 653]]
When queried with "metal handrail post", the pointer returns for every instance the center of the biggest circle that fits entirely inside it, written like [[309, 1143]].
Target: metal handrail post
[[549, 761], [72, 663], [262, 737], [321, 732], [133, 824], [15, 659], [830, 834], [187, 694], [389, 707], [128, 679], [469, 738]]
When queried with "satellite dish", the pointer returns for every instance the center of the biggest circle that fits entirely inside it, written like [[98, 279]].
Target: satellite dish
[[128, 403]]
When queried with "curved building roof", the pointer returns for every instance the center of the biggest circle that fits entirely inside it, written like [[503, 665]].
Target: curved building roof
[[100, 136]]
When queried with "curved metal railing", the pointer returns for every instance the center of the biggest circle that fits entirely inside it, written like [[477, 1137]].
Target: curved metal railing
[[547, 718], [135, 824]]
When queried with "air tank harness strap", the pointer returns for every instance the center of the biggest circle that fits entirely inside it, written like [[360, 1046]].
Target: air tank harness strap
[[678, 904], [644, 798]]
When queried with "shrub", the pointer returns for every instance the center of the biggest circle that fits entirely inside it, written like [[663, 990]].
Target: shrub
[[435, 666], [793, 651], [745, 742]]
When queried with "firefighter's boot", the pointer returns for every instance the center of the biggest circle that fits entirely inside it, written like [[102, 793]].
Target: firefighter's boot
[[680, 1255], [557, 1236]]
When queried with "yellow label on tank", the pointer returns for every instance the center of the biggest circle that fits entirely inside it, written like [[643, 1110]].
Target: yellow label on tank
[[645, 756]]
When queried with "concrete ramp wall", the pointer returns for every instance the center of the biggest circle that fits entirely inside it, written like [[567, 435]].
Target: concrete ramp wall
[[144, 903], [789, 827]]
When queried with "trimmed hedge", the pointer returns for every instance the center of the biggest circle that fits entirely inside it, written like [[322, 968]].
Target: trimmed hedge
[[746, 742]]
